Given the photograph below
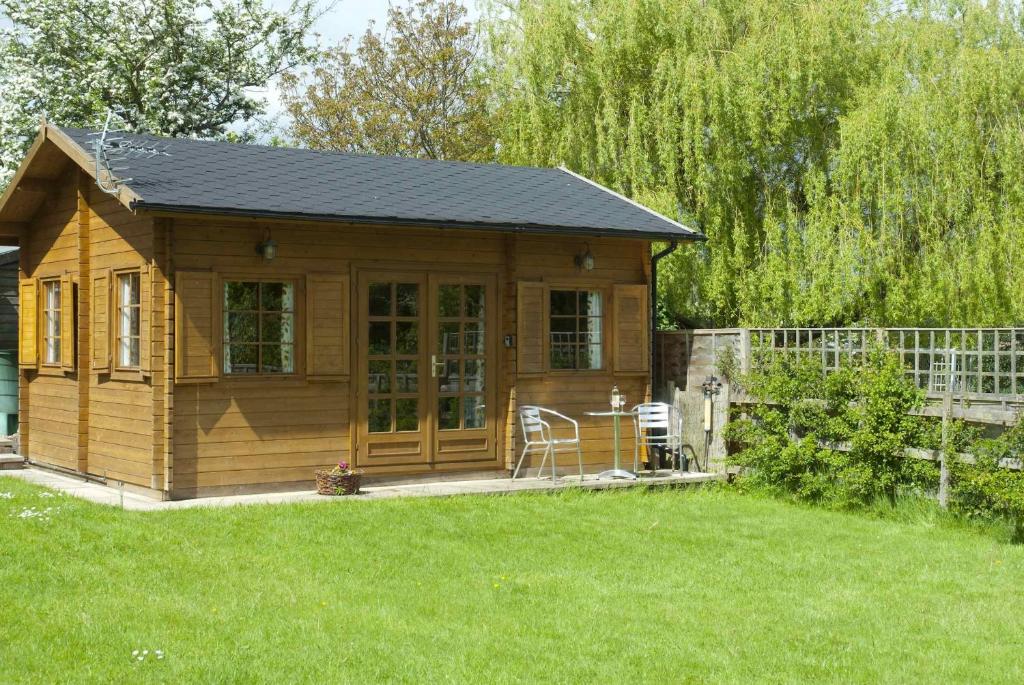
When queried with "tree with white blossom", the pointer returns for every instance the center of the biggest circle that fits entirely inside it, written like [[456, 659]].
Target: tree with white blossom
[[170, 67]]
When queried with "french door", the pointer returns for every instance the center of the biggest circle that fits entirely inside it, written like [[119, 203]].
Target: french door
[[426, 369]]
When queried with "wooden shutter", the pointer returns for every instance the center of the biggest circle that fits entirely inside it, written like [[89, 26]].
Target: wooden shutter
[[630, 328], [145, 319], [102, 321], [67, 323], [327, 326], [530, 326], [195, 332], [28, 328]]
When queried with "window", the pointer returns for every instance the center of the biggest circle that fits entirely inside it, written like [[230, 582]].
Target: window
[[51, 322], [128, 322], [575, 329], [259, 327]]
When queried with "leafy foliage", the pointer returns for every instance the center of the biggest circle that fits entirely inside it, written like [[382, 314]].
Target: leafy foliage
[[850, 161], [178, 67], [415, 90], [791, 440], [987, 488]]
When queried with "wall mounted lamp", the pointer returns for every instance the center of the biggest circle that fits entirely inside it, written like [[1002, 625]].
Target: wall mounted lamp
[[268, 248], [584, 261]]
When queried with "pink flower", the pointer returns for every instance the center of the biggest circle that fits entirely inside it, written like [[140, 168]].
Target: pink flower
[[343, 465]]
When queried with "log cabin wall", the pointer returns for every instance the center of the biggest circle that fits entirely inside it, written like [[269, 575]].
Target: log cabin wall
[[238, 433], [120, 402], [548, 261], [234, 434], [49, 407], [74, 415]]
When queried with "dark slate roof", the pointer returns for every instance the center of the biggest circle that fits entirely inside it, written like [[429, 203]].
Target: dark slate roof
[[254, 180]]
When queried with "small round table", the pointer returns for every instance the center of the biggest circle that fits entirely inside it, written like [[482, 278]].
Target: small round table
[[618, 471]]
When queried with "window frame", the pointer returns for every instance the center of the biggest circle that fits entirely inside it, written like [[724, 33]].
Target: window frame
[[44, 329], [298, 322], [116, 333], [605, 319]]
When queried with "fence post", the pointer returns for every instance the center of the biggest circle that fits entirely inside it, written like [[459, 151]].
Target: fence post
[[947, 415]]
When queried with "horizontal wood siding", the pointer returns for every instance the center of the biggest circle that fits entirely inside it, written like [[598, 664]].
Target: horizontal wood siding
[[51, 250], [249, 432], [121, 409], [550, 260]]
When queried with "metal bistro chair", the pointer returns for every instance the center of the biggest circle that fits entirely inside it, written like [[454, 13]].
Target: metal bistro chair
[[538, 434], [658, 425]]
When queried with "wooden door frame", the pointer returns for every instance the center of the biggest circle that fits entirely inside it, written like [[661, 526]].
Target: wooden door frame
[[358, 388], [360, 363], [492, 360]]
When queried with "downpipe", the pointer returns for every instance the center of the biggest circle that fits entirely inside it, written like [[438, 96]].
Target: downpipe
[[653, 308]]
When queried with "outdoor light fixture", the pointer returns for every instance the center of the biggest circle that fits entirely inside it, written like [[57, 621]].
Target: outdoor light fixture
[[584, 261], [268, 248]]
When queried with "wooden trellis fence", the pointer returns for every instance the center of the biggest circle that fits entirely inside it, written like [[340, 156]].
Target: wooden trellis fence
[[986, 366], [986, 363]]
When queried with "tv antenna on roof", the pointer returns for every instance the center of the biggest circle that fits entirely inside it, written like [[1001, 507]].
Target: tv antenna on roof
[[111, 147]]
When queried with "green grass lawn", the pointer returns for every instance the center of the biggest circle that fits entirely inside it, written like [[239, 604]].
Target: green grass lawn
[[694, 586]]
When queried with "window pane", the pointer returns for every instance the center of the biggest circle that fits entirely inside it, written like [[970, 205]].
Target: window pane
[[241, 358], [240, 327], [575, 329], [474, 301], [53, 323], [276, 328], [448, 340], [408, 299], [407, 337], [563, 356], [129, 289], [564, 324], [380, 299], [474, 338], [563, 302], [380, 416], [53, 295], [407, 414], [380, 376], [128, 352], [449, 379], [277, 297], [448, 300], [448, 413], [473, 412], [474, 379], [590, 303], [240, 296], [278, 359], [407, 378], [380, 337]]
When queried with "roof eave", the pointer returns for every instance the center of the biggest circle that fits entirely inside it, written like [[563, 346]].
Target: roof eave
[[596, 231]]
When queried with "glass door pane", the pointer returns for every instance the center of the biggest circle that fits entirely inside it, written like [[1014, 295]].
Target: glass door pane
[[458, 360], [393, 353]]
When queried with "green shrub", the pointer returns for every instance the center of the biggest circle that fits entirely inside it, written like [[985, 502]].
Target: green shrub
[[837, 439], [987, 488]]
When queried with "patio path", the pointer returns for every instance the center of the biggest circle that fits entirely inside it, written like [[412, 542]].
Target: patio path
[[105, 494]]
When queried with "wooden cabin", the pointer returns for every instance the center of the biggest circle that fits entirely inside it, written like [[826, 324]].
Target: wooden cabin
[[202, 318]]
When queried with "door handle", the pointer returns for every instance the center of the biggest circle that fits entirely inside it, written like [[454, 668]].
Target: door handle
[[434, 364]]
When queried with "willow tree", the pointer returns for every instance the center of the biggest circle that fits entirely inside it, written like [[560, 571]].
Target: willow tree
[[850, 161]]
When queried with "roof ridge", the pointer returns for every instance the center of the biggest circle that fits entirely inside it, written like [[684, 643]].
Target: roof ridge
[[290, 148]]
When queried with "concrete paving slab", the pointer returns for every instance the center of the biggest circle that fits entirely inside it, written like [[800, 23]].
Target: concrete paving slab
[[111, 496]]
